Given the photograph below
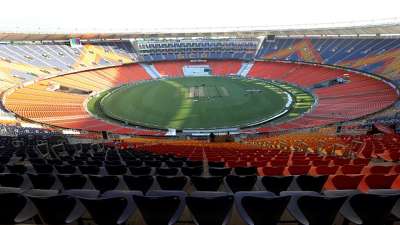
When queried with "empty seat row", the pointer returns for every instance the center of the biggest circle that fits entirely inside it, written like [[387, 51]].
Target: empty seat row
[[233, 183], [206, 208]]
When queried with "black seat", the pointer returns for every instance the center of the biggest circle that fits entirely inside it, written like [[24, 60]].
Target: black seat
[[370, 209], [311, 183], [192, 171], [190, 163], [162, 171], [317, 209], [43, 168], [104, 183], [76, 162], [19, 168], [142, 170], [112, 162], [210, 208], [57, 209], [140, 183], [252, 207], [276, 184], [206, 183], [105, 211], [153, 163], [42, 180], [11, 204], [220, 172], [158, 210], [245, 171], [65, 169], [54, 162], [240, 183], [135, 163], [216, 164], [94, 162], [89, 169], [174, 163], [72, 181], [37, 161], [2, 168], [172, 183], [11, 180], [116, 169]]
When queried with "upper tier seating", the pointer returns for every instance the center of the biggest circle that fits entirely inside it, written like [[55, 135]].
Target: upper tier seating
[[374, 55]]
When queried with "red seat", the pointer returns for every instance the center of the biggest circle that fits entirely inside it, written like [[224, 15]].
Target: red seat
[[352, 169], [343, 182], [300, 162], [320, 162], [299, 170], [378, 181], [380, 169], [360, 161], [397, 169], [278, 162], [341, 161], [273, 171], [259, 163], [326, 170], [237, 164]]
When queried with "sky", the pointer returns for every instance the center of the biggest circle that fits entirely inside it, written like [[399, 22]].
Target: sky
[[153, 15]]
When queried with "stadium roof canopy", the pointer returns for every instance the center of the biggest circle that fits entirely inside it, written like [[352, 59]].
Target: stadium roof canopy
[[389, 28]]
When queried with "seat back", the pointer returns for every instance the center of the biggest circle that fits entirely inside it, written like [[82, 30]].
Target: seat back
[[299, 170], [167, 171], [320, 210], [311, 183], [172, 183], [220, 172], [142, 170], [104, 183], [206, 183], [55, 209], [105, 211], [326, 170], [72, 181], [11, 205], [89, 169], [240, 183], [276, 184], [11, 180], [343, 182], [157, 210], [373, 209], [192, 171], [42, 181], [273, 171], [140, 183], [256, 206], [116, 169], [377, 181], [210, 210], [245, 171]]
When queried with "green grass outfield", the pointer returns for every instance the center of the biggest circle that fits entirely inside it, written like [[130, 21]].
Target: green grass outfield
[[194, 103]]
